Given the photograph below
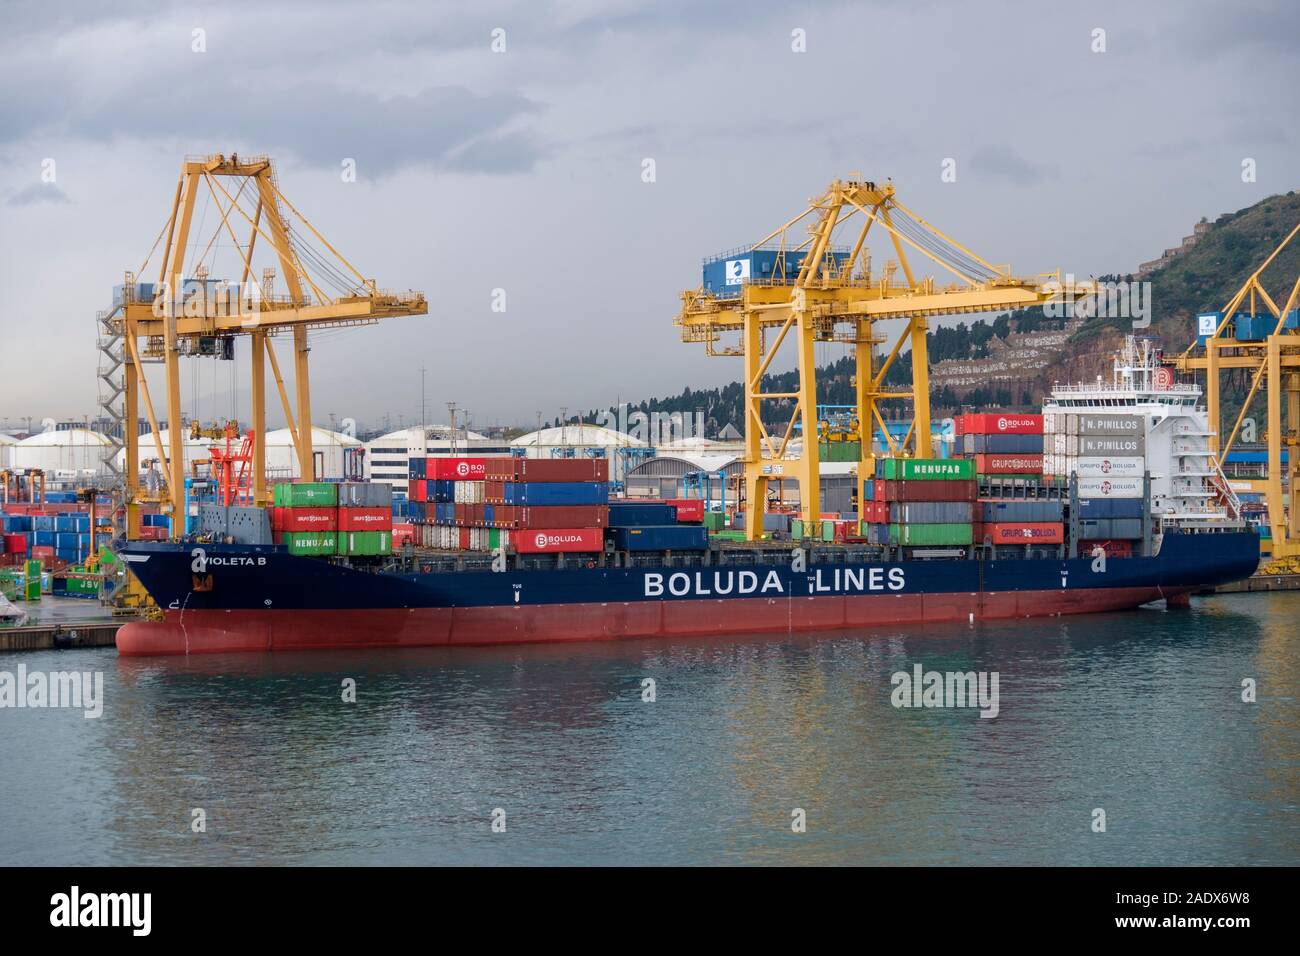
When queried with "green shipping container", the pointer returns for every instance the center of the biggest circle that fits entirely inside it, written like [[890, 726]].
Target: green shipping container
[[715, 520], [840, 450], [32, 580], [929, 535], [306, 494], [796, 529], [363, 543], [828, 530], [313, 542], [922, 469], [729, 535]]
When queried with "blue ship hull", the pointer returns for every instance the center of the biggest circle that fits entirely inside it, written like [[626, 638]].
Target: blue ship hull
[[219, 598]]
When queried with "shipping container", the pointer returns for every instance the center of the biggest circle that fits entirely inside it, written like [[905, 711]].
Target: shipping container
[[559, 540], [930, 535], [306, 494], [930, 512], [365, 494], [673, 537], [925, 490], [546, 469], [309, 543], [365, 543], [1023, 532], [1110, 528], [1087, 423], [1110, 507], [514, 517], [990, 423], [631, 514], [556, 493], [924, 469], [689, 510], [304, 519], [1010, 512], [417, 468], [1110, 446], [1103, 467], [1112, 549], [997, 444], [1029, 463], [1110, 487], [456, 469], [365, 519]]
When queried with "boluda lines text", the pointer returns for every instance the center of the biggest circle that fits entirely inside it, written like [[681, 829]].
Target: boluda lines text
[[722, 583]]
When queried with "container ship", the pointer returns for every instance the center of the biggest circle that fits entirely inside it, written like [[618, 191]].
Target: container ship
[[1108, 499]]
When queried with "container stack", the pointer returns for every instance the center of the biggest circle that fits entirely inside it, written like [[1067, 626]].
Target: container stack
[[532, 505], [921, 502], [654, 526], [1016, 522], [1006, 447], [304, 517], [365, 518], [1107, 452]]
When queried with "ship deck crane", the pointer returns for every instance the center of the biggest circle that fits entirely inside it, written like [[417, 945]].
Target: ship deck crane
[[185, 314], [833, 297], [1266, 343]]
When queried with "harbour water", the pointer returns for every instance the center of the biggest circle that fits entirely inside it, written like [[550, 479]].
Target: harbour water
[[1139, 714]]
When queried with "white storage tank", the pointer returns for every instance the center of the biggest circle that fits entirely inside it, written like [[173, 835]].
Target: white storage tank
[[68, 449]]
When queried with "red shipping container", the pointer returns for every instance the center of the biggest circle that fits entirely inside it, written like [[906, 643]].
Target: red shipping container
[[559, 540], [886, 490], [417, 489], [40, 552], [1113, 549], [153, 532], [999, 423], [1008, 464], [547, 469], [1030, 532], [403, 533], [464, 538], [305, 519], [15, 544], [689, 510], [456, 469], [516, 517], [494, 491], [365, 519]]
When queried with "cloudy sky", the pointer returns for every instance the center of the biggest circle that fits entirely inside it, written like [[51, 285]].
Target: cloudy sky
[[522, 170]]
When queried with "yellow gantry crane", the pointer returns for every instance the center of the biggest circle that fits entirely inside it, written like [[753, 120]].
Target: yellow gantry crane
[[186, 314], [819, 292], [1253, 332]]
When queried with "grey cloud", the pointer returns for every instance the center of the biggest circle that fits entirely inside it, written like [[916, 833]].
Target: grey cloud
[[1002, 162], [38, 193]]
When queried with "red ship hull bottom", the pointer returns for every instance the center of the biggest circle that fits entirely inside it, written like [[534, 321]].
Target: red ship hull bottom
[[227, 631]]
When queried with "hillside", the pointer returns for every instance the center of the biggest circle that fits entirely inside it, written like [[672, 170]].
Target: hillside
[[1013, 360]]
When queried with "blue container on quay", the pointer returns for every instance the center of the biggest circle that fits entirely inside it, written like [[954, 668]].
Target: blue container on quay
[[416, 467], [17, 523], [673, 537], [634, 514], [1002, 444], [556, 493], [43, 523]]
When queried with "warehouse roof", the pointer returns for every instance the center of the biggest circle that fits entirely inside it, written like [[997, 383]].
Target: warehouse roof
[[64, 437], [431, 433], [595, 436], [319, 436]]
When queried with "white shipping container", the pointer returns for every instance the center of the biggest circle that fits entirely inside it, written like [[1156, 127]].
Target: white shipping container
[[1101, 467], [1065, 445], [1107, 424], [1110, 487], [1110, 445], [478, 537]]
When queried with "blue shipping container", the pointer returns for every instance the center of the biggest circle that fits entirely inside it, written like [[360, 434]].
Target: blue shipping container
[[674, 537], [415, 468], [1002, 444], [631, 514], [1110, 508], [556, 492]]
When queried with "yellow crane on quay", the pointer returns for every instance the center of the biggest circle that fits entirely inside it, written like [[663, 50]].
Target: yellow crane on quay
[[186, 314], [811, 291], [1254, 333]]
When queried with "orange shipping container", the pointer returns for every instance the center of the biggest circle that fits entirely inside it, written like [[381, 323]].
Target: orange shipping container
[[1032, 532]]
